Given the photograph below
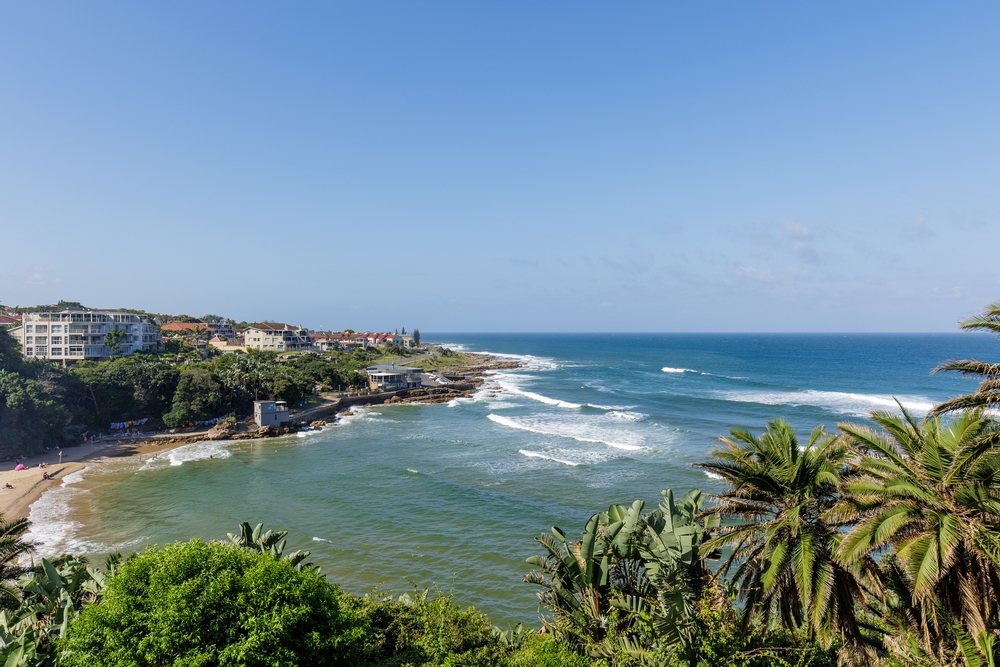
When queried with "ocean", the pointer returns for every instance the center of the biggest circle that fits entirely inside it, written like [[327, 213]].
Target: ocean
[[450, 496]]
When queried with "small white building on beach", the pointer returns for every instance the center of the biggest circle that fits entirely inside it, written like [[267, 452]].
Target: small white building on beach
[[270, 413]]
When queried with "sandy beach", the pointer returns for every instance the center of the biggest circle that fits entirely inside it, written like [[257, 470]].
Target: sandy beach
[[29, 485]]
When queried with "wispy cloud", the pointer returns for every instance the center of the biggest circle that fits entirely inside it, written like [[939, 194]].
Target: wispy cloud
[[800, 238], [969, 221], [39, 276], [797, 230], [915, 229], [792, 237], [787, 276], [628, 264]]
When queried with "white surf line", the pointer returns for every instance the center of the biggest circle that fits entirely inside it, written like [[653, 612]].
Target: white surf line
[[539, 455], [835, 401], [510, 423]]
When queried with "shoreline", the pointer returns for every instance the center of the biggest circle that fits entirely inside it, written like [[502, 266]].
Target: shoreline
[[29, 486]]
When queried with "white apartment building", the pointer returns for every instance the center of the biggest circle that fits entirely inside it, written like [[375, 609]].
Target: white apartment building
[[75, 334], [277, 337]]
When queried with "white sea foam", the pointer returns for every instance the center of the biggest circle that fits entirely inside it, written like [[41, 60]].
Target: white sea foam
[[539, 455], [357, 414], [54, 531], [846, 403], [576, 429], [453, 403], [457, 347], [411, 470], [668, 369], [628, 416], [512, 388], [593, 384], [52, 527], [527, 361], [320, 539], [712, 475], [608, 407], [198, 451]]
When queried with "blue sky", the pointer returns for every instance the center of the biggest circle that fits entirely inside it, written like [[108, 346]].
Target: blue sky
[[505, 166]]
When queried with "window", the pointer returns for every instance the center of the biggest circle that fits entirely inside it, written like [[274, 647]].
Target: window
[[56, 328], [41, 328], [41, 350], [57, 352], [28, 340], [56, 340], [28, 352], [76, 351], [28, 328], [40, 339]]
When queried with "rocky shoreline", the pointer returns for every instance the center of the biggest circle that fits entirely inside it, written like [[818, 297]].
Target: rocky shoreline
[[464, 381]]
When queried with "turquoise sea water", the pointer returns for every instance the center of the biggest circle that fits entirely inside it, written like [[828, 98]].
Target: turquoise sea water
[[453, 494]]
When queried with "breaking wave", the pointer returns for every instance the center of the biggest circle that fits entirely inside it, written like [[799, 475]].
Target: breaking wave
[[539, 455], [198, 451], [846, 403], [512, 388], [53, 531], [580, 432], [628, 416]]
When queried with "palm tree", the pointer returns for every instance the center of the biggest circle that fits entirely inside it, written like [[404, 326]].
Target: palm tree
[[775, 519], [987, 395], [931, 492], [13, 548]]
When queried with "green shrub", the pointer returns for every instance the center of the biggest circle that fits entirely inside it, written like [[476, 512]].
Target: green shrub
[[209, 604], [414, 631], [545, 651]]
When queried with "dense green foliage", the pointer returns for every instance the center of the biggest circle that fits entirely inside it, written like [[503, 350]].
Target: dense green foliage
[[782, 541], [51, 598], [122, 389], [987, 395], [198, 603], [415, 630], [43, 404], [32, 406]]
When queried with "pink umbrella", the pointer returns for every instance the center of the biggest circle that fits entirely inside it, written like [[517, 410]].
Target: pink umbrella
[[20, 466]]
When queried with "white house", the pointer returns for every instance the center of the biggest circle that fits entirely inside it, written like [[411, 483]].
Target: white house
[[277, 337]]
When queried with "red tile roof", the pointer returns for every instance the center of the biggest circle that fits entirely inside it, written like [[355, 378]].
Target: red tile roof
[[182, 326]]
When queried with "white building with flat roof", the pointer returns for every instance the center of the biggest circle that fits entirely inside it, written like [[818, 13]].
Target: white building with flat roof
[[277, 337], [75, 334], [270, 413], [393, 377]]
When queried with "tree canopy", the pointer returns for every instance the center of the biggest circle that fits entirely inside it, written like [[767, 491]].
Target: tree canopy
[[198, 603]]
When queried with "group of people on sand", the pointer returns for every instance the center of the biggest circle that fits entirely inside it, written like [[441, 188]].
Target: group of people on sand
[[20, 466]]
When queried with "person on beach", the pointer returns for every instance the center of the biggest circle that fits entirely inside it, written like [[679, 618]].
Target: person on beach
[[8, 486]]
